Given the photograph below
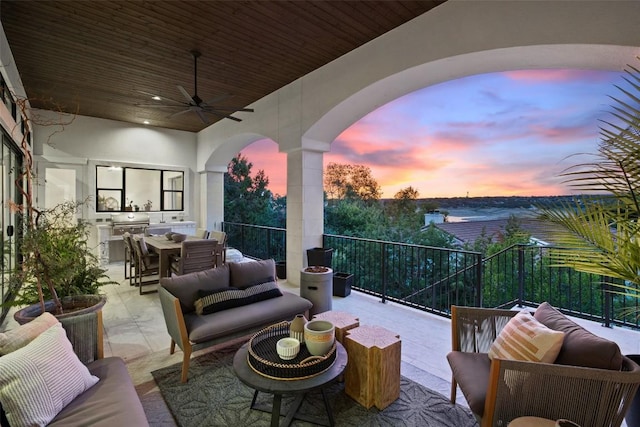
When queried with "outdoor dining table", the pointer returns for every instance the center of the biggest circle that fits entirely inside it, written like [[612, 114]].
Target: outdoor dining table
[[165, 249]]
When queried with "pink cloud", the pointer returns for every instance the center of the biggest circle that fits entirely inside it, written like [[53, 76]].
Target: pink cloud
[[555, 75]]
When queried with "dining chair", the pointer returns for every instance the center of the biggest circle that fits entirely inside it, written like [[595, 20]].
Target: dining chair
[[129, 258], [196, 255], [221, 237], [147, 265], [202, 233]]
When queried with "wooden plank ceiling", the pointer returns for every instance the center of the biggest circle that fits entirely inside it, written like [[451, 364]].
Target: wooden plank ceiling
[[102, 58]]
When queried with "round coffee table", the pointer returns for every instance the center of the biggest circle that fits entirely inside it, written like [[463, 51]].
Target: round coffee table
[[281, 387]]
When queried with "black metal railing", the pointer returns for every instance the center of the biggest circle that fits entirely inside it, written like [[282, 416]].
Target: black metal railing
[[257, 241], [432, 279]]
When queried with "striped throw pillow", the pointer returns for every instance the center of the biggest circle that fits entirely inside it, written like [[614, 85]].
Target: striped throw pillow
[[219, 300], [524, 338], [40, 379]]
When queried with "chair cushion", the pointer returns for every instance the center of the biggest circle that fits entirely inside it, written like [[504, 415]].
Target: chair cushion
[[186, 287], [247, 274], [471, 371], [218, 300], [22, 335], [38, 380], [113, 401], [580, 347], [524, 338]]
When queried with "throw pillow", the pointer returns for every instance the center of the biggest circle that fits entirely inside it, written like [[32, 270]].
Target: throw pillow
[[218, 300], [40, 379], [580, 347], [22, 335], [248, 274], [524, 338]]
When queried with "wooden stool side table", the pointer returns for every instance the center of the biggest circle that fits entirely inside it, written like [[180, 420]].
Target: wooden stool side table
[[372, 376], [342, 321]]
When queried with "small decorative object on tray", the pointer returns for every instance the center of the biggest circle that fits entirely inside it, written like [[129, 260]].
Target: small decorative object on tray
[[287, 348], [264, 359], [319, 335], [297, 327]]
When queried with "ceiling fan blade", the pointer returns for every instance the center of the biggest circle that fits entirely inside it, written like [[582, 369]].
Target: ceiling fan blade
[[224, 108], [179, 113], [224, 116], [202, 117], [185, 94]]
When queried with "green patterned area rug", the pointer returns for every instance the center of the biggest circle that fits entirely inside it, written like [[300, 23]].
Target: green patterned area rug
[[213, 396]]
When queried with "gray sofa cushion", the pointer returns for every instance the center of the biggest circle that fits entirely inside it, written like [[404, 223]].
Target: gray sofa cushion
[[112, 401], [246, 274], [471, 370], [186, 287], [239, 319]]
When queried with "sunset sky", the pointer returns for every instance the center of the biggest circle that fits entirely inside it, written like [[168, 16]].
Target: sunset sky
[[498, 134]]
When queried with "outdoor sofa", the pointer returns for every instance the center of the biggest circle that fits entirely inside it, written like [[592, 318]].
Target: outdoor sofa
[[37, 394], [233, 300]]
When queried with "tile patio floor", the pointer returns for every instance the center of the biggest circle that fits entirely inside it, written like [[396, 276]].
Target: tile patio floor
[[135, 331]]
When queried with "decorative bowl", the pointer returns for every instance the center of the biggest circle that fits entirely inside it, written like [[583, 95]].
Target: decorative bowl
[[169, 235], [179, 237], [319, 336], [287, 348]]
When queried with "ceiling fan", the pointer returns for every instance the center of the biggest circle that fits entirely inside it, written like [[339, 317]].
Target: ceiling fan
[[195, 103]]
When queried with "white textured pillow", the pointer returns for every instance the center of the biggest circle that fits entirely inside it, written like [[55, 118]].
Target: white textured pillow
[[40, 379], [22, 335], [524, 338]]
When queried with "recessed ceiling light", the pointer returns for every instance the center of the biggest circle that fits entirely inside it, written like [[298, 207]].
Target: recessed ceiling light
[[156, 98], [146, 122]]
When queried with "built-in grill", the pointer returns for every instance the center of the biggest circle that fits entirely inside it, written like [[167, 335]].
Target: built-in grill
[[132, 222]]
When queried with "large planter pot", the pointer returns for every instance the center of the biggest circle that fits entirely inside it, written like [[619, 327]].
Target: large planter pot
[[281, 270], [317, 287], [320, 256], [72, 306], [342, 284]]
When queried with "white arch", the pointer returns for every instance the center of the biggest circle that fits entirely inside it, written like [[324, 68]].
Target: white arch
[[456, 39]]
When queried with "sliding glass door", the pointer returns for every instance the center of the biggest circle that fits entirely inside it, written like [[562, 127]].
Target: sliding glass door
[[11, 164]]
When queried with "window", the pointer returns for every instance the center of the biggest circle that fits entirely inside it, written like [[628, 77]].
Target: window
[[137, 189]]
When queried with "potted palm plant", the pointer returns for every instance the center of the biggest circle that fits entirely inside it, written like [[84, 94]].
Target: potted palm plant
[[601, 231]]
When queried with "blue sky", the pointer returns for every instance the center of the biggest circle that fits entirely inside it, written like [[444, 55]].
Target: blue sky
[[497, 134]]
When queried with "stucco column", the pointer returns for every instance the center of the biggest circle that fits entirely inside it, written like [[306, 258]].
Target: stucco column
[[305, 208], [212, 199]]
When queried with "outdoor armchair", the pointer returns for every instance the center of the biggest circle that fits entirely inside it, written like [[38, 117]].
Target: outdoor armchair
[[499, 390]]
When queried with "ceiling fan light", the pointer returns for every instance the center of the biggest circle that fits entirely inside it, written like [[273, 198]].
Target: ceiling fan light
[[156, 98], [146, 122]]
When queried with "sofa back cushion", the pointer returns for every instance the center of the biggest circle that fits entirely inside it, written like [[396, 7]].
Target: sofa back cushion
[[580, 347], [247, 274], [186, 287]]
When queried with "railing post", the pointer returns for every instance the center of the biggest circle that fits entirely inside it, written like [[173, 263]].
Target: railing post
[[479, 268], [383, 272], [268, 242], [608, 301], [520, 275]]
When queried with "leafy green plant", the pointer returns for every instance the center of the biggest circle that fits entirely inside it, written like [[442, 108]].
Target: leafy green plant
[[57, 260], [601, 229]]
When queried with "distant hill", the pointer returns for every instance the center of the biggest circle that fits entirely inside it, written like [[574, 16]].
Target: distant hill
[[510, 202]]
